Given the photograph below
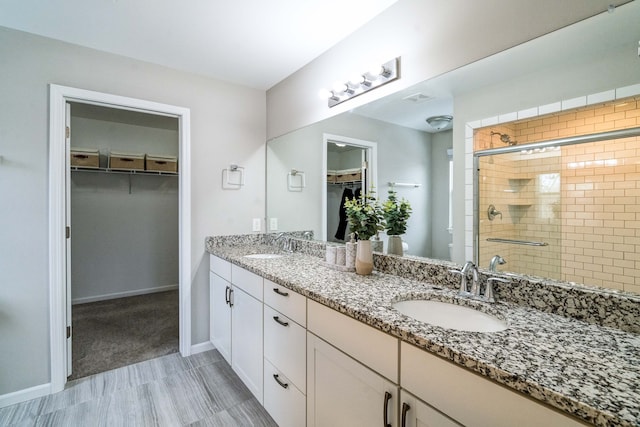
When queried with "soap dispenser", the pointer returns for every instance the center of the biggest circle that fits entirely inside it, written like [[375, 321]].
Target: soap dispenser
[[350, 255]]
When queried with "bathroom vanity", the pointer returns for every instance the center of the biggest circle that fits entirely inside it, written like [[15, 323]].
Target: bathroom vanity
[[334, 352]]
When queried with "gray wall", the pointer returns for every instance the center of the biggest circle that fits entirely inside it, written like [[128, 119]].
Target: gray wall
[[125, 228], [404, 155], [227, 125]]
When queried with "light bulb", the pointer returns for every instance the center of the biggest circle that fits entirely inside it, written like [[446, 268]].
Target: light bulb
[[340, 87], [325, 93], [356, 79]]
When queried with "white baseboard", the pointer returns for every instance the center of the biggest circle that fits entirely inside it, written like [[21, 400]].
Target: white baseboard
[[123, 294], [203, 346], [24, 395]]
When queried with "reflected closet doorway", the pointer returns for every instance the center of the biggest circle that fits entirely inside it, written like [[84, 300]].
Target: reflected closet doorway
[[59, 230], [341, 171]]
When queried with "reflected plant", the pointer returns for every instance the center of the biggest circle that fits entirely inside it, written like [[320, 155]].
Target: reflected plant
[[396, 214], [364, 215]]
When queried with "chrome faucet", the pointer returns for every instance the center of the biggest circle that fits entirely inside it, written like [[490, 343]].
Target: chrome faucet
[[495, 261], [307, 235], [473, 290], [488, 291], [465, 289]]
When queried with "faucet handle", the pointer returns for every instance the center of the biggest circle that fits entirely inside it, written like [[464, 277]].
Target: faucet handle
[[488, 292], [463, 280]]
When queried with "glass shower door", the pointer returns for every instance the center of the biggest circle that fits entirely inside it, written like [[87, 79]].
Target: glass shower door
[[520, 211], [569, 212]]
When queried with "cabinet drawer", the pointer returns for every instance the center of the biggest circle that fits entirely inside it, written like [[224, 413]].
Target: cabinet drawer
[[286, 346], [444, 386], [291, 304], [286, 405], [247, 281], [221, 267], [369, 346]]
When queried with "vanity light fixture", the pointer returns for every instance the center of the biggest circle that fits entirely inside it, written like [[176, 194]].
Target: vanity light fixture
[[439, 122], [361, 83]]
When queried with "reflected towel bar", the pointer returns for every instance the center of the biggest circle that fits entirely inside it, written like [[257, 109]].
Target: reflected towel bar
[[517, 242], [404, 184]]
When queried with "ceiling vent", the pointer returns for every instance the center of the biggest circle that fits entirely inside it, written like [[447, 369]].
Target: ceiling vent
[[418, 98]]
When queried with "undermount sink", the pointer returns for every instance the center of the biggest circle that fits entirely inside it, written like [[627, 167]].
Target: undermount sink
[[450, 316], [263, 256]]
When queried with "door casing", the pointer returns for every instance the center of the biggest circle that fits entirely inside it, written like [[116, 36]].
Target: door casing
[[372, 154], [58, 97]]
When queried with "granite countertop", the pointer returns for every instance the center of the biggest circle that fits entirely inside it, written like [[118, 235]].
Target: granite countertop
[[589, 371]]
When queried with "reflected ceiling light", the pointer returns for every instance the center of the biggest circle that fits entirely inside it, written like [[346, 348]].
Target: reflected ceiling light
[[364, 82], [339, 144], [439, 122]]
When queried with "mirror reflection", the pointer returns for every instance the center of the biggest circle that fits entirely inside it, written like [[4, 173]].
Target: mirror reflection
[[589, 60], [403, 155]]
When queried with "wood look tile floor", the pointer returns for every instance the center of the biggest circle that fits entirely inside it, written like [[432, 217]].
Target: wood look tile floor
[[200, 390]]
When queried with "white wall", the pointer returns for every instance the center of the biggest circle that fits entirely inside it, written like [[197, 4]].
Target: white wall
[[125, 228], [227, 124], [430, 37]]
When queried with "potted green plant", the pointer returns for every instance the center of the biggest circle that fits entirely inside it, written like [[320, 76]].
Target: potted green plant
[[396, 213], [365, 218]]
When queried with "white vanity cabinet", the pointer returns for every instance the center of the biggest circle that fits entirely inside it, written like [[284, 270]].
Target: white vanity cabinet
[[468, 397], [342, 391], [220, 292], [285, 349], [236, 321]]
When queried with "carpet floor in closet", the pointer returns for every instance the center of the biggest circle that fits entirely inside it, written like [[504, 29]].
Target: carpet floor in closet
[[119, 332]]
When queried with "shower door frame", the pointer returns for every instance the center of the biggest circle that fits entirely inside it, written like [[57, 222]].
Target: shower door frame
[[574, 140]]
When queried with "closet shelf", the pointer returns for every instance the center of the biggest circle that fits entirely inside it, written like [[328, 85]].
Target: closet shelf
[[337, 184], [120, 171]]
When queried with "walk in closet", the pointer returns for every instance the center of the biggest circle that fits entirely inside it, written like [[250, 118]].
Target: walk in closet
[[123, 204], [344, 181]]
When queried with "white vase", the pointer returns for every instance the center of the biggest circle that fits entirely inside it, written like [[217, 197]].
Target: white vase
[[364, 257], [394, 245]]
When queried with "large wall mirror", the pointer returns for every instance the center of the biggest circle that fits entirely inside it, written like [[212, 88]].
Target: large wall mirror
[[595, 56]]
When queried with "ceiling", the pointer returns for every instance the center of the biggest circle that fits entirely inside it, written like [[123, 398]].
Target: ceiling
[[583, 42], [255, 43]]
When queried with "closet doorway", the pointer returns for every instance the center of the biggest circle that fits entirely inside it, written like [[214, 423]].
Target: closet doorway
[[124, 245], [99, 262], [350, 170]]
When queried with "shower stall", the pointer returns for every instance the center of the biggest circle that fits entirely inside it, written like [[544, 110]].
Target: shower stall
[[567, 209]]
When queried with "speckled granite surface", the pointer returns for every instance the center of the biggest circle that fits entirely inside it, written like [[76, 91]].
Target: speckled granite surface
[[587, 370]]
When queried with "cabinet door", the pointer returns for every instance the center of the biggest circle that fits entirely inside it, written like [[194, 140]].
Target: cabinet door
[[342, 392], [415, 413], [246, 341], [220, 315]]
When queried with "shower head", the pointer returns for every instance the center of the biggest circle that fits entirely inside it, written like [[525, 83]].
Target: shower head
[[504, 138]]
